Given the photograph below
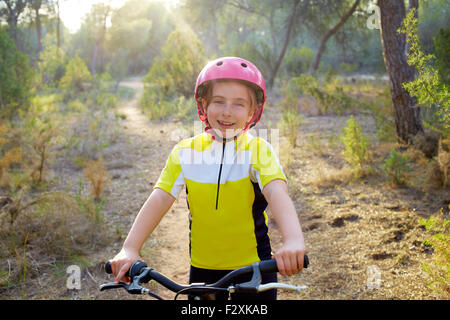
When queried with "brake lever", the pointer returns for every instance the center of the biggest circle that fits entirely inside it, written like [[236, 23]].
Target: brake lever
[[277, 285], [113, 285], [134, 287], [253, 284]]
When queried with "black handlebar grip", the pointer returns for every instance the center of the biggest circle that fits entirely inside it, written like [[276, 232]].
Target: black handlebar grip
[[108, 268], [268, 266], [134, 270]]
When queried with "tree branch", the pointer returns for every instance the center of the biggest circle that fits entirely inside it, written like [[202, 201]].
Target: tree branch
[[286, 42], [330, 33]]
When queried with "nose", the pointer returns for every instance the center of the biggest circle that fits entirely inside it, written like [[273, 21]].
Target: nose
[[226, 111]]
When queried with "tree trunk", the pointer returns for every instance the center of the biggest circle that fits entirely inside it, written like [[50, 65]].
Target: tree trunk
[[94, 60], [58, 27], [329, 34], [272, 32], [14, 9], [285, 45], [214, 31], [37, 7], [99, 43], [407, 115]]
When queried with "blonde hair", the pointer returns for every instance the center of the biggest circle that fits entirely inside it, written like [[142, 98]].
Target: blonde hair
[[251, 90]]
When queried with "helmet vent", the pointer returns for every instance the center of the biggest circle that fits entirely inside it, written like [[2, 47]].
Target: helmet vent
[[244, 65], [219, 63]]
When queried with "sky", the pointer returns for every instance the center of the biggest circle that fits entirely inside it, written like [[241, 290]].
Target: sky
[[72, 11]]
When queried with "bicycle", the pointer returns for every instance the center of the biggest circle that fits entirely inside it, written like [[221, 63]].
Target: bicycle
[[140, 273]]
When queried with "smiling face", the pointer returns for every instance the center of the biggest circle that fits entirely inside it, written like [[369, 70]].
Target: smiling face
[[229, 107]]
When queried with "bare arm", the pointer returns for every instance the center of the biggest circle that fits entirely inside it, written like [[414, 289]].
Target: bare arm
[[290, 256], [151, 213]]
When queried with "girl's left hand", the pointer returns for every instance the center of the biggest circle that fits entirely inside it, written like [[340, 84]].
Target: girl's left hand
[[290, 257]]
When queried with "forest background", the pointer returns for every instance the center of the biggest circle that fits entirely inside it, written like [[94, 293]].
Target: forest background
[[337, 94]]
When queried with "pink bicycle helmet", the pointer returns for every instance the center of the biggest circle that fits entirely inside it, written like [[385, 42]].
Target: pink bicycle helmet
[[231, 68]]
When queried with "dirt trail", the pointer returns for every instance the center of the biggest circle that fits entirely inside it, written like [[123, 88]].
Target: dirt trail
[[350, 229], [143, 150]]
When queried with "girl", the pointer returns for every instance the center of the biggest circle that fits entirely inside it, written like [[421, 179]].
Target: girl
[[230, 178]]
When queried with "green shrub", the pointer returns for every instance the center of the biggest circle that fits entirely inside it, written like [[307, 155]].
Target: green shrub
[[442, 51], [185, 108], [40, 130], [105, 100], [330, 74], [291, 94], [298, 60], [347, 68], [155, 105], [356, 144], [439, 268], [172, 74], [76, 106], [381, 111], [330, 96], [395, 167], [176, 70], [290, 124], [16, 77], [76, 75], [51, 63], [427, 87]]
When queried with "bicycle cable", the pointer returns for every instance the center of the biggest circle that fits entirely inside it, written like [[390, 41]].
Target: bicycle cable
[[199, 287]]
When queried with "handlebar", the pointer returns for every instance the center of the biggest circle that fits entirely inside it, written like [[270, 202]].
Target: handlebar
[[140, 273], [266, 266]]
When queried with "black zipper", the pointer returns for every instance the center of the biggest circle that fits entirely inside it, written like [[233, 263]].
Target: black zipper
[[220, 173]]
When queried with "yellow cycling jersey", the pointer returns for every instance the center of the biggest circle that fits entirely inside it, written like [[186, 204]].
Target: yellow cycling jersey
[[228, 222]]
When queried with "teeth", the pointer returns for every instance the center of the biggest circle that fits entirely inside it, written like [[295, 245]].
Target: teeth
[[226, 123]]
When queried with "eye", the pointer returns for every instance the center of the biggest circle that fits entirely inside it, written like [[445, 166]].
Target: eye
[[240, 103], [218, 101]]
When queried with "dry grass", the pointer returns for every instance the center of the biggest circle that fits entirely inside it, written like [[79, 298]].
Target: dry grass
[[351, 226], [444, 159], [44, 227], [96, 173], [354, 226], [328, 177], [9, 154], [52, 232]]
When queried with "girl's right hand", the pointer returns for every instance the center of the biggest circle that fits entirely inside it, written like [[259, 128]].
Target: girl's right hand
[[122, 262]]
